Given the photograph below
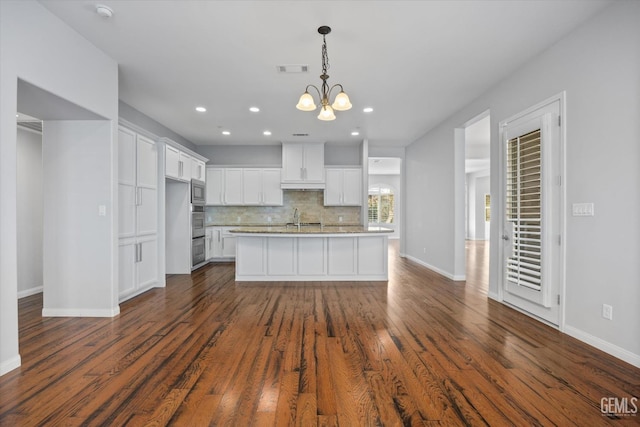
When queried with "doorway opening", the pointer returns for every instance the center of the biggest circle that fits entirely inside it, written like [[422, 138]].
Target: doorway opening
[[477, 168], [383, 198]]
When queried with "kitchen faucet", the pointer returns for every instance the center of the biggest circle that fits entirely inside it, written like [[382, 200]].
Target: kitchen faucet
[[296, 218]]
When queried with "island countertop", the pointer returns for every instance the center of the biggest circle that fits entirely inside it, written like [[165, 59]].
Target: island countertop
[[310, 229]]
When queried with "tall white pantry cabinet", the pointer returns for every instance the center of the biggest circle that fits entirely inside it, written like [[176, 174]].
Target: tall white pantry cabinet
[[138, 213]]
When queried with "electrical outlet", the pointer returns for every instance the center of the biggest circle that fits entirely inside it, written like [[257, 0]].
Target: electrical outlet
[[339, 219], [607, 311]]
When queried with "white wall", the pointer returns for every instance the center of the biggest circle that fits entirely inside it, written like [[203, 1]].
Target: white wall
[[56, 59], [77, 181], [602, 153], [29, 181]]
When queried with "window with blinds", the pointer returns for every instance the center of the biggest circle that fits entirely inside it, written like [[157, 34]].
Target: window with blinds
[[380, 205], [524, 210]]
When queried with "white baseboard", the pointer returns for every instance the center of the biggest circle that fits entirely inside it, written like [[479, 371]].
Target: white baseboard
[[29, 292], [435, 269], [80, 312], [10, 365], [494, 296], [603, 345]]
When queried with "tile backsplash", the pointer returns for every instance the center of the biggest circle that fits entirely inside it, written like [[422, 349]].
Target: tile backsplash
[[310, 205]]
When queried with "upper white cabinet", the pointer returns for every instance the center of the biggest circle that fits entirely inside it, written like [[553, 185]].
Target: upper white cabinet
[[243, 186], [138, 184], [177, 164], [224, 186], [343, 187], [302, 166], [198, 170], [262, 187]]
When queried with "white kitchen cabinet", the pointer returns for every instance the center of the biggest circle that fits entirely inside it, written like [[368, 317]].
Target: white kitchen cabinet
[[311, 257], [233, 187], [228, 243], [171, 162], [261, 187], [215, 186], [198, 169], [302, 166], [220, 244], [138, 213], [343, 187], [177, 164], [243, 187], [224, 186]]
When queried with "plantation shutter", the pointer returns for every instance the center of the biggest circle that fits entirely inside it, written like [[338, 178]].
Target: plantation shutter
[[524, 210]]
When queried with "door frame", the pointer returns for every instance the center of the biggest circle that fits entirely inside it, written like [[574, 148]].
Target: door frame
[[561, 98]]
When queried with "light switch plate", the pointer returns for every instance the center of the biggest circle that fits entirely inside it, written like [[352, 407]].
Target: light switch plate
[[582, 209]]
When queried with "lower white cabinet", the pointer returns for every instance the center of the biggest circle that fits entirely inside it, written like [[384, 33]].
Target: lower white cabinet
[[138, 265], [309, 257], [220, 243]]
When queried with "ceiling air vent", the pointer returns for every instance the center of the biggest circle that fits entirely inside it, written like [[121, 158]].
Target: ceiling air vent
[[293, 68], [300, 134]]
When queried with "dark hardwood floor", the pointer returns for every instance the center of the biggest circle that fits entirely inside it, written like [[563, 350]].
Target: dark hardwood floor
[[418, 350]]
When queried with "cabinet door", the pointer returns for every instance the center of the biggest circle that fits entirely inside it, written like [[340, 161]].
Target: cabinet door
[[292, 162], [252, 186], [126, 156], [126, 267], [208, 240], [342, 256], [146, 163], [126, 183], [233, 187], [228, 244], [271, 191], [251, 256], [352, 187], [216, 242], [197, 169], [147, 211], [171, 162], [215, 186], [333, 189], [147, 263], [185, 166], [126, 210], [314, 162]]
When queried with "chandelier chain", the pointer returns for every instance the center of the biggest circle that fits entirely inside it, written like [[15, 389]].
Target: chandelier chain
[[325, 56]]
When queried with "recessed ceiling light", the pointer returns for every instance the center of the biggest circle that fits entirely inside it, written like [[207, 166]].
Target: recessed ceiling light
[[226, 132], [355, 133], [367, 109], [254, 109], [267, 133], [201, 109]]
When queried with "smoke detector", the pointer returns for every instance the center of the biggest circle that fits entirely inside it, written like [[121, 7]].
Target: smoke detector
[[104, 11]]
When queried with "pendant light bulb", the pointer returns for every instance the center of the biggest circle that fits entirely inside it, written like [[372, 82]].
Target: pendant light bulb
[[342, 102], [326, 113], [306, 102]]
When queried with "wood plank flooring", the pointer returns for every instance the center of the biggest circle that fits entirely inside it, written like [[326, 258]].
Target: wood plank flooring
[[418, 350]]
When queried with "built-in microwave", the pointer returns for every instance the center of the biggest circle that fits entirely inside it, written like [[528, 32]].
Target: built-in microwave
[[198, 192]]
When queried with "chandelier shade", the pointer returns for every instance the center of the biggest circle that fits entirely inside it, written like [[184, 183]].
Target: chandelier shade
[[341, 101]]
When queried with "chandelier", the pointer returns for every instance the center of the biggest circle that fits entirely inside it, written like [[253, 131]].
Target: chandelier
[[341, 102]]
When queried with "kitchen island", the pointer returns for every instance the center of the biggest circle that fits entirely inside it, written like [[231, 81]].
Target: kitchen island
[[311, 253]]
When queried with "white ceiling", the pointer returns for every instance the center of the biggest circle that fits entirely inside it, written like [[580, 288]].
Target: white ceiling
[[414, 62]]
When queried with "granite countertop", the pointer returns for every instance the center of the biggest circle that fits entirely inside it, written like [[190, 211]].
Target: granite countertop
[[309, 229]]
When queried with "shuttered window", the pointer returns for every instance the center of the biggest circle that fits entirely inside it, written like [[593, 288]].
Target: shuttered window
[[524, 209]]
